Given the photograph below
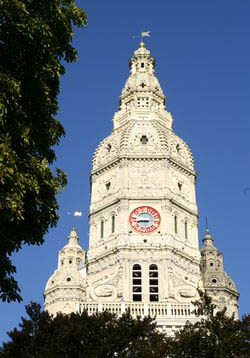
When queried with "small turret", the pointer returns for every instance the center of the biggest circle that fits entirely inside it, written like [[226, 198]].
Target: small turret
[[67, 285], [216, 282]]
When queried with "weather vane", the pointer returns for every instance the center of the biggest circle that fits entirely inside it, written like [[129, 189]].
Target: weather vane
[[142, 34]]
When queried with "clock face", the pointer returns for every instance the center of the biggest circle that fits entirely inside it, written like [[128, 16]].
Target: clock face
[[144, 219]]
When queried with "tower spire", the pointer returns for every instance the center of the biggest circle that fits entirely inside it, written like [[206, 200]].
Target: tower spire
[[207, 239], [142, 95]]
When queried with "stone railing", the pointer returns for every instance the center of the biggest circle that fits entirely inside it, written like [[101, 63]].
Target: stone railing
[[153, 309]]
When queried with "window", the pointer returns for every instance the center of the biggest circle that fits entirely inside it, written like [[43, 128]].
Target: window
[[102, 228], [175, 225], [142, 102], [109, 147], [113, 223], [153, 283], [107, 185], [144, 139], [186, 230], [142, 65], [136, 283], [179, 186], [178, 148]]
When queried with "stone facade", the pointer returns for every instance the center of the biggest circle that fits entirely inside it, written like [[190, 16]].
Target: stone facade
[[143, 236]]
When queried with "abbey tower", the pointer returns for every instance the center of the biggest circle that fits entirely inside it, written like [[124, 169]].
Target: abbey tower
[[143, 220]]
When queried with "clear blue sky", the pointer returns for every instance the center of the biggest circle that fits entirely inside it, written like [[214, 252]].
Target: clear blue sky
[[203, 58]]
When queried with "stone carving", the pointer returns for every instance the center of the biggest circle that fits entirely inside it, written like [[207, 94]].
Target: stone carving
[[144, 139], [104, 291], [182, 286], [104, 286], [180, 185], [105, 186], [180, 152], [107, 150], [142, 175], [186, 293]]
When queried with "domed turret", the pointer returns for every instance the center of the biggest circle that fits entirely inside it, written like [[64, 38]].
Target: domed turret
[[67, 285], [217, 283]]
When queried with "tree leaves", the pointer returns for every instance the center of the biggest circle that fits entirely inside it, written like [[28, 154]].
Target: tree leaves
[[103, 335], [35, 36], [81, 335]]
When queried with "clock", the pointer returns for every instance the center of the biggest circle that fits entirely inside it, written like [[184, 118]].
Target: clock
[[144, 219]]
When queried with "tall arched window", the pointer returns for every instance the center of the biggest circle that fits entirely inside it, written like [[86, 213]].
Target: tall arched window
[[153, 283], [102, 229], [137, 284], [175, 225], [186, 230], [113, 223]]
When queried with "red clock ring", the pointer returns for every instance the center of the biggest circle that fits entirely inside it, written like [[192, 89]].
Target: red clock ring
[[144, 219]]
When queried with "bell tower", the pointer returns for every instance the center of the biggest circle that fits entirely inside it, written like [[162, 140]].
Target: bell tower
[[143, 214], [143, 237]]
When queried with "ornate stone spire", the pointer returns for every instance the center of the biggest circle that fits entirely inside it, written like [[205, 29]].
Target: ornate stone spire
[[142, 95]]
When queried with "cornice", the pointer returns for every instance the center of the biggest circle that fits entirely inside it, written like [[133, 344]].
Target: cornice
[[183, 207]]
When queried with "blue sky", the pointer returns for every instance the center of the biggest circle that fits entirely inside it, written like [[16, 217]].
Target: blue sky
[[203, 57]]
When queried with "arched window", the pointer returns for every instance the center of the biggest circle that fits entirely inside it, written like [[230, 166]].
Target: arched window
[[137, 284], [102, 228], [153, 283], [175, 225], [113, 223], [186, 230]]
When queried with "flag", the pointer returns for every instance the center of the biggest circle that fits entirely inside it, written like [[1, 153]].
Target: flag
[[145, 34]]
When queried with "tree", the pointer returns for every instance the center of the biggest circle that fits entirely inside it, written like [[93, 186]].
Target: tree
[[35, 37], [80, 335], [103, 335], [214, 336]]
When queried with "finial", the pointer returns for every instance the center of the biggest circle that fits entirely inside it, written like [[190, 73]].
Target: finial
[[207, 237], [207, 225], [73, 236], [142, 44]]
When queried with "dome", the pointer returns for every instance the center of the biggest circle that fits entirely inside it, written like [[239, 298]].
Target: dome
[[71, 260], [142, 139]]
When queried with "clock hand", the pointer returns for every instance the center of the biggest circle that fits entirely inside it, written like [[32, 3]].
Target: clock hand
[[143, 220]]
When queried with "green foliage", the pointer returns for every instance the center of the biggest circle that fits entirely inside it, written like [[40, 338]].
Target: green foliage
[[35, 37], [103, 335], [214, 336], [79, 335]]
